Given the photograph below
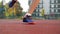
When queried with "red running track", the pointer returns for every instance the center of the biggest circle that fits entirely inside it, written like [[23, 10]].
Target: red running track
[[40, 27]]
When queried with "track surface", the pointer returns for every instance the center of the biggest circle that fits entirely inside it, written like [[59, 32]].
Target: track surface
[[40, 27]]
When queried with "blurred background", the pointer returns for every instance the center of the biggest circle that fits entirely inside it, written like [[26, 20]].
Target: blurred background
[[46, 9]]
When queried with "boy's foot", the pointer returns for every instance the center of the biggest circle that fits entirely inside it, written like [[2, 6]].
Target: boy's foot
[[31, 23]]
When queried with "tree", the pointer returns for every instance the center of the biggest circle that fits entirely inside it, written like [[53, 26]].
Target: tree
[[18, 9], [1, 10], [15, 11]]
